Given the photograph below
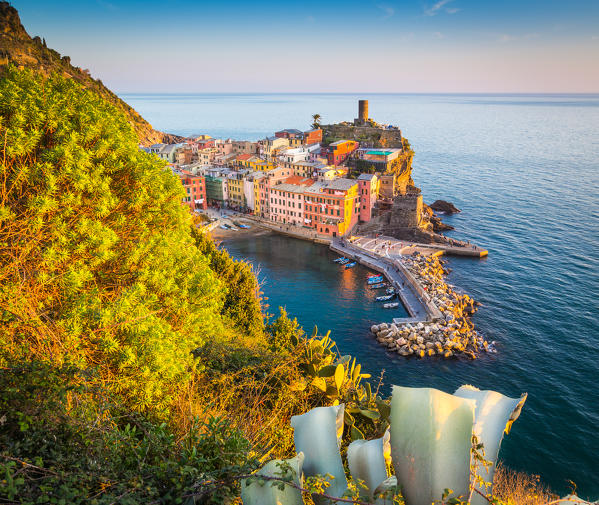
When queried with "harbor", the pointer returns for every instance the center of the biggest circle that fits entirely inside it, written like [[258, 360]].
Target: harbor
[[437, 322]]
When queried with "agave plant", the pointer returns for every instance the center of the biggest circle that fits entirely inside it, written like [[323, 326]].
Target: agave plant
[[317, 434], [369, 462], [256, 491], [431, 438], [493, 416]]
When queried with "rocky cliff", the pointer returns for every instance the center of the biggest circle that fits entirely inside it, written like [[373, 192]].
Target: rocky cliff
[[18, 48]]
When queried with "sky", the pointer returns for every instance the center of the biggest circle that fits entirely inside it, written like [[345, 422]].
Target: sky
[[444, 46]]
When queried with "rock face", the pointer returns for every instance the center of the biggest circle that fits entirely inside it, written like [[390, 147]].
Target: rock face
[[18, 48], [435, 220], [443, 206]]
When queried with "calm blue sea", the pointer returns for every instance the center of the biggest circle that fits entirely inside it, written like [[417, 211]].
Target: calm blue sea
[[524, 169]]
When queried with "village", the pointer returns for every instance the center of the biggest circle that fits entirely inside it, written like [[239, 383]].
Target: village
[[290, 178], [357, 197]]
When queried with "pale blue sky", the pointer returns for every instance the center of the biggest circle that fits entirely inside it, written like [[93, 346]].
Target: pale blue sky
[[334, 46]]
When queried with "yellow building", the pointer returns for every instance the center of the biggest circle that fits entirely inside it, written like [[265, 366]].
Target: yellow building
[[235, 189]]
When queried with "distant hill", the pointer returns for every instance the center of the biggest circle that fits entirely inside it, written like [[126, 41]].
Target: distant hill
[[18, 48]]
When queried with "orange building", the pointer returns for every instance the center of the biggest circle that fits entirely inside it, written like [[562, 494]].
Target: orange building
[[195, 189], [339, 151], [332, 208]]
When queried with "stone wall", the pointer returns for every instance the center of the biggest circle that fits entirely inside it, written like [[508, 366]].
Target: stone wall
[[368, 136], [405, 214]]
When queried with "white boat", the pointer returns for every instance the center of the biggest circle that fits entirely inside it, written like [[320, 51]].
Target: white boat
[[384, 298], [391, 305]]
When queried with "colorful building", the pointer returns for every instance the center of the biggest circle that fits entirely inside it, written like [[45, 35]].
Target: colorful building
[[367, 190], [216, 190], [235, 190], [287, 201], [195, 189], [332, 207], [338, 152]]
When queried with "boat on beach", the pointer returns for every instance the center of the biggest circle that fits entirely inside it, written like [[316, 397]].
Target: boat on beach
[[384, 298], [391, 305], [351, 265]]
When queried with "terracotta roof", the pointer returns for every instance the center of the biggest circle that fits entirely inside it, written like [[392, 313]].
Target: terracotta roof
[[244, 157]]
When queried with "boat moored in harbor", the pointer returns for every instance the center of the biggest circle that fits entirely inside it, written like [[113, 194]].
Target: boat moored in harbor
[[351, 265], [391, 305], [378, 285], [384, 298]]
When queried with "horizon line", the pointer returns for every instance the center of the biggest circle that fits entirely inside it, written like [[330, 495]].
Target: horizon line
[[482, 93]]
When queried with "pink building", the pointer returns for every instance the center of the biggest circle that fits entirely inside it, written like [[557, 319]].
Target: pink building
[[367, 191], [287, 201]]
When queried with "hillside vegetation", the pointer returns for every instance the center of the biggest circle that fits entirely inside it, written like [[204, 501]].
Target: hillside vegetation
[[135, 357], [18, 48]]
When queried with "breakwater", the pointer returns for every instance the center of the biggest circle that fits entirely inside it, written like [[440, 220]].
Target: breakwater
[[440, 322]]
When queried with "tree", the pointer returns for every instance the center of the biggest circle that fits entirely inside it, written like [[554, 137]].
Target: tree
[[316, 121], [98, 266]]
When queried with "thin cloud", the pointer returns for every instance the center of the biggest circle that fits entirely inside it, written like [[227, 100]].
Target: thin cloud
[[452, 10], [387, 10], [107, 5], [506, 37], [435, 8]]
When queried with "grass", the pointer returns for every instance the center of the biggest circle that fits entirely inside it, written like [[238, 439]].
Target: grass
[[518, 488]]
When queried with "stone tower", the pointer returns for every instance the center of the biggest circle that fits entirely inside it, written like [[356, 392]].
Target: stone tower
[[363, 110]]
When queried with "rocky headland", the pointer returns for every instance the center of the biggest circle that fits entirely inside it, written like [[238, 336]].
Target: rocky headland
[[453, 335]]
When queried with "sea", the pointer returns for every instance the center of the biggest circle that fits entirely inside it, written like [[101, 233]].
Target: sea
[[524, 170]]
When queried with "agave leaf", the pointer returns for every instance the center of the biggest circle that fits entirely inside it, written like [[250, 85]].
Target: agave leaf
[[270, 492], [315, 331], [368, 461], [431, 436], [493, 416], [317, 434], [356, 372]]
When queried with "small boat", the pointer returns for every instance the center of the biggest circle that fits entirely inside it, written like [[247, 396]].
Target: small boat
[[391, 291], [244, 226], [339, 260], [384, 298], [344, 261], [391, 305], [375, 280], [370, 276], [378, 286], [351, 265], [224, 227]]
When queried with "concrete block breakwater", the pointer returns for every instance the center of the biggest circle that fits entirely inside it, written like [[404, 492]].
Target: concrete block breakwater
[[451, 335]]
